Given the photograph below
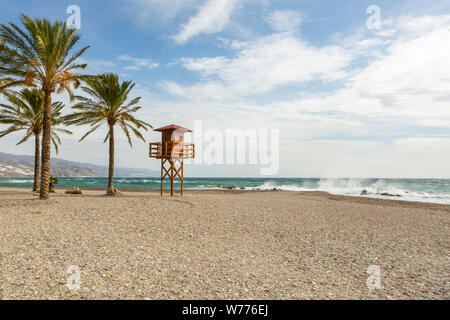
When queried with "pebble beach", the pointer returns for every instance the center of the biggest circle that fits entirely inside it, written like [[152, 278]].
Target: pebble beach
[[221, 245]]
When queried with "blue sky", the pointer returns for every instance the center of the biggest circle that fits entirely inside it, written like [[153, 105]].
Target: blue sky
[[349, 101]]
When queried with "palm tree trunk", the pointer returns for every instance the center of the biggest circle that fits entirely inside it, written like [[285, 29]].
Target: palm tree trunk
[[37, 160], [111, 190], [46, 130]]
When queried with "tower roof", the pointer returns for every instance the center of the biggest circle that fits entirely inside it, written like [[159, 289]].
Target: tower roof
[[172, 127]]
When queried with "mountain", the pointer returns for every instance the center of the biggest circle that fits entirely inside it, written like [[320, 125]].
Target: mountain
[[16, 166]]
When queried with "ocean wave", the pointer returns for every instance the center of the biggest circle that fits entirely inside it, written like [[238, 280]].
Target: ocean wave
[[370, 188], [19, 181], [270, 185]]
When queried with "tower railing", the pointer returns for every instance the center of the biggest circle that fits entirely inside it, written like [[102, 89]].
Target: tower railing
[[172, 150]]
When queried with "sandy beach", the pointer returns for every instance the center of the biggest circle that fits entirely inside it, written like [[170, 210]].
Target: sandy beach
[[221, 245]]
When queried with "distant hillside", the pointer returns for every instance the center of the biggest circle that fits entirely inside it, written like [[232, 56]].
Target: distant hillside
[[16, 166]]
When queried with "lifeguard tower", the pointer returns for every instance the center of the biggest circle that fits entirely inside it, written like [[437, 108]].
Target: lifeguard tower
[[172, 150]]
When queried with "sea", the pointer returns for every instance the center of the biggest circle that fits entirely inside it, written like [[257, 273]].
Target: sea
[[422, 190]]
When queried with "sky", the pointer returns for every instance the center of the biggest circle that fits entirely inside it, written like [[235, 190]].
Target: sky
[[356, 88]]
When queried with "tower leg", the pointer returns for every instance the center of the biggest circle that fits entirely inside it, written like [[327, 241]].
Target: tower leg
[[182, 177], [171, 177], [162, 176]]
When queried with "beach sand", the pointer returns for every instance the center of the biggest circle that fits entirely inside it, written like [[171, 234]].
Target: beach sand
[[221, 245]]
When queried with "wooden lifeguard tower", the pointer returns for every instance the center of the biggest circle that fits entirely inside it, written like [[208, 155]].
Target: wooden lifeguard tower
[[172, 150]]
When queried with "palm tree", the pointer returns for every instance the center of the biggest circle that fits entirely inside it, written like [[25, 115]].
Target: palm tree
[[107, 104], [41, 54], [25, 112]]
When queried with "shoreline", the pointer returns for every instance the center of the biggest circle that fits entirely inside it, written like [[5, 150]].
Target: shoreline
[[436, 191], [319, 194]]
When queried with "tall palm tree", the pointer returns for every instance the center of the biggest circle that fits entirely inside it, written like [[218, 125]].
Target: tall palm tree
[[43, 54], [107, 103], [25, 112]]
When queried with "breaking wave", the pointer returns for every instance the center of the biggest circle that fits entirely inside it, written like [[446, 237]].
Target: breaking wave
[[422, 190]]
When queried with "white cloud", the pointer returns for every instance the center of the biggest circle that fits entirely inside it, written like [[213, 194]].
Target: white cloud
[[212, 17], [277, 60], [408, 83], [406, 78], [426, 23], [138, 63], [97, 66], [285, 20], [209, 91]]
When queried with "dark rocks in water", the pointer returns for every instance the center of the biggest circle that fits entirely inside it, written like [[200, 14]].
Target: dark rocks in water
[[386, 194], [242, 188], [223, 187], [228, 187], [364, 192]]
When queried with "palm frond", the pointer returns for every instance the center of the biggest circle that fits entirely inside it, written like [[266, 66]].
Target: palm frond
[[25, 112], [26, 137], [89, 132], [106, 101]]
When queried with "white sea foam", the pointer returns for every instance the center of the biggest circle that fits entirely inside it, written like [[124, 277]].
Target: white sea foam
[[19, 181], [354, 187], [284, 187]]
